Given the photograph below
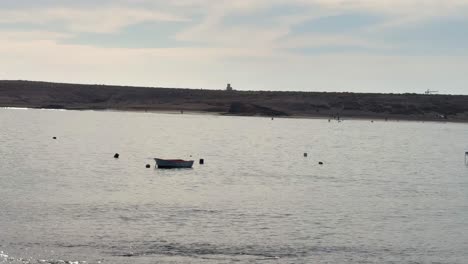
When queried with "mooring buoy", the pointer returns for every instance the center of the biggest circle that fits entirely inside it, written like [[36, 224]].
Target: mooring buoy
[[54, 137], [305, 154], [116, 155], [320, 163], [148, 166], [202, 161]]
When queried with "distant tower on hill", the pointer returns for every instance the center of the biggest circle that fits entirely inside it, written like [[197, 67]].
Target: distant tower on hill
[[430, 92], [229, 87]]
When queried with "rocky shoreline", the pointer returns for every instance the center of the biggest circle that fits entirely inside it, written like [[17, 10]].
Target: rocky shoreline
[[246, 103]]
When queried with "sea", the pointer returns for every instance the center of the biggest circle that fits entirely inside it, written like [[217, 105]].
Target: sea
[[386, 191]]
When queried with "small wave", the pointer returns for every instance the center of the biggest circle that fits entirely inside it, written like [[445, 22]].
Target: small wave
[[252, 252], [51, 109], [27, 108], [204, 250], [3, 255], [5, 258], [15, 108]]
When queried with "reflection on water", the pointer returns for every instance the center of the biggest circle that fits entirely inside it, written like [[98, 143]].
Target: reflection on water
[[388, 192]]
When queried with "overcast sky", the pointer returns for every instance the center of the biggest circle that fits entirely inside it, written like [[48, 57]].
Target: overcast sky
[[309, 45]]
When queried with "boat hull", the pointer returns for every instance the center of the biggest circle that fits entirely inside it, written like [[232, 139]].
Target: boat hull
[[173, 164]]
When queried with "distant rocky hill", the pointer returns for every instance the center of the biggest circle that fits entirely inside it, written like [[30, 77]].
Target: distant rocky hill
[[263, 103]]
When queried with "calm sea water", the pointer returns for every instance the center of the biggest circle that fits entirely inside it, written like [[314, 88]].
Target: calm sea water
[[388, 192]]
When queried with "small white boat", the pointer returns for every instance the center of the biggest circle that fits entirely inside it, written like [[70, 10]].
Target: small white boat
[[173, 163]]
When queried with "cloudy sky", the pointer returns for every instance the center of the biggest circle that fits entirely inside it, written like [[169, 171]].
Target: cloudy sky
[[308, 45]]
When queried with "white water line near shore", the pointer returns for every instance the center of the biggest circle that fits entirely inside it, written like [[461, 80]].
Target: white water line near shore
[[15, 108], [192, 112], [28, 108]]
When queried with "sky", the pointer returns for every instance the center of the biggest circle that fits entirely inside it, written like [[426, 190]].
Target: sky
[[382, 46]]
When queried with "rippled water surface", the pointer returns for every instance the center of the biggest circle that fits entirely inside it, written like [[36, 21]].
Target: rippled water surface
[[388, 192]]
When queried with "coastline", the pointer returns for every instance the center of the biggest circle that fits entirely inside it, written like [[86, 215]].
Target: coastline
[[281, 104], [190, 112]]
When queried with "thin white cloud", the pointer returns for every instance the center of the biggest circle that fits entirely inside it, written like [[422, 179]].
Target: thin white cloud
[[398, 7], [99, 20], [44, 46], [34, 35], [395, 13], [414, 7], [210, 30], [331, 40]]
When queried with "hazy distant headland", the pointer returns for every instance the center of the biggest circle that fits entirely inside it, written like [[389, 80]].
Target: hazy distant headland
[[249, 103]]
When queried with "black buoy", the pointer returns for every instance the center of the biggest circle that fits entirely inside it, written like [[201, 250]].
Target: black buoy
[[54, 137], [305, 154], [116, 156], [320, 163], [202, 161], [148, 166]]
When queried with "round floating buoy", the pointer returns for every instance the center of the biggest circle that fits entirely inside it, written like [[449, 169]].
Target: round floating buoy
[[202, 161], [148, 166], [305, 154], [116, 156], [54, 137], [320, 163]]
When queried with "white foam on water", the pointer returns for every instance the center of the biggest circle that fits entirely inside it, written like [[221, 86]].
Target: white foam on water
[[50, 109], [4, 257], [15, 108], [26, 108]]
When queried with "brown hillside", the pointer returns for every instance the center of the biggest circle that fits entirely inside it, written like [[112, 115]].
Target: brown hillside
[[76, 96]]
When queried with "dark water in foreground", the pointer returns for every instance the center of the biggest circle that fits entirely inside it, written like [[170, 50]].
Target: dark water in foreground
[[389, 192]]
